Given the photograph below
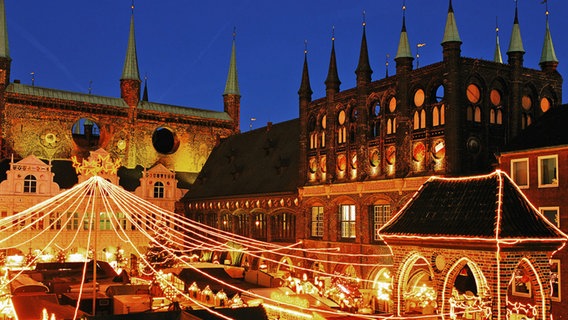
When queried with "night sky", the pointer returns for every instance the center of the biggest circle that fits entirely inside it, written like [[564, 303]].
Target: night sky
[[184, 46]]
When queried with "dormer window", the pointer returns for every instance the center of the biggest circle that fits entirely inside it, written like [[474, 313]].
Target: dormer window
[[30, 184]]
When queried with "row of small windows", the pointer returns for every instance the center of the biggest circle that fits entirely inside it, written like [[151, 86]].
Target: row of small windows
[[282, 226], [348, 220], [72, 221], [547, 171]]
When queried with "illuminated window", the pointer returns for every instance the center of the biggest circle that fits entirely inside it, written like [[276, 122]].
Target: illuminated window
[[552, 214], [526, 120], [121, 220], [259, 229], [555, 280], [158, 190], [547, 171], [73, 221], [226, 224], [317, 222], [521, 283], [104, 221], [30, 184], [348, 221], [283, 227], [54, 221], [520, 172], [381, 214], [243, 225]]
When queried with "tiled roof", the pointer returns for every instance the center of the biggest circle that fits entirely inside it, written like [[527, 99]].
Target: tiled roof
[[115, 102], [552, 125], [255, 162], [473, 207]]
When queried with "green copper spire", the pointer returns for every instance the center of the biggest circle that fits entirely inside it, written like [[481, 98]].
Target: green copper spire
[[516, 43], [497, 56], [403, 44], [548, 53], [130, 70], [451, 33], [232, 85], [4, 47]]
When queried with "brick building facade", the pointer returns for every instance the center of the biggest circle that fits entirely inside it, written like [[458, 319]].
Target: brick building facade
[[363, 152]]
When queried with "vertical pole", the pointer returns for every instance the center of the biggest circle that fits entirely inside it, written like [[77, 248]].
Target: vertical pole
[[96, 228]]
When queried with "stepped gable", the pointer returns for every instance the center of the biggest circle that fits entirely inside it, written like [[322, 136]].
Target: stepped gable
[[255, 162], [482, 207]]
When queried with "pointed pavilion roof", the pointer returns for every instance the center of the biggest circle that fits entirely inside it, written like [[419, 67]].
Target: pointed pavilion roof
[[130, 70], [364, 70], [232, 84], [451, 33], [488, 208], [497, 57], [516, 43], [305, 90], [332, 80], [403, 44], [4, 47], [145, 94], [548, 53]]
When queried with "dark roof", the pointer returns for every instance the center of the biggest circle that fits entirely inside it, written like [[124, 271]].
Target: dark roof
[[31, 307], [260, 161], [204, 277], [470, 207], [551, 125]]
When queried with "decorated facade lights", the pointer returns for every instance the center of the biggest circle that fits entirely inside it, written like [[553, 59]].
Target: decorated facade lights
[[528, 310], [468, 304]]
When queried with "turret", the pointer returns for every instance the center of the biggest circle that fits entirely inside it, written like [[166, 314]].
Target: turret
[[548, 61], [332, 81], [305, 95], [453, 89], [5, 60], [361, 131], [232, 94], [130, 80], [497, 56], [516, 53]]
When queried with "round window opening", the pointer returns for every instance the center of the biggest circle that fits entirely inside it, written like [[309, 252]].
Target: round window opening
[[86, 135], [165, 141]]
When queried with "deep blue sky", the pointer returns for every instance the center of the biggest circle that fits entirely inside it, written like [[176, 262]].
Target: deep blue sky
[[184, 46]]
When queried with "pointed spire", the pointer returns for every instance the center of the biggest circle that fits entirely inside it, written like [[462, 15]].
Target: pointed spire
[[232, 84], [451, 33], [497, 57], [4, 47], [548, 53], [145, 93], [403, 43], [363, 70], [305, 91], [516, 43], [332, 80], [130, 70]]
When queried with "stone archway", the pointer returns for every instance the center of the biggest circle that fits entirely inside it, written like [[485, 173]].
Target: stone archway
[[526, 297], [466, 293], [380, 287], [416, 293]]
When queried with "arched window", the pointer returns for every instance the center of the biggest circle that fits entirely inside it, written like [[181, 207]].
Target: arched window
[[30, 184], [159, 190], [283, 227], [242, 226], [259, 228], [226, 222]]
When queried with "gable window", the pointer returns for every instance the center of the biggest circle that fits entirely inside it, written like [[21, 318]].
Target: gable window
[[548, 171], [158, 190], [317, 222], [347, 218], [520, 172], [552, 214], [381, 214], [30, 184]]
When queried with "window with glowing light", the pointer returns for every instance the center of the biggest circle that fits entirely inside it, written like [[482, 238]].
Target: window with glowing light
[[348, 221], [548, 171], [30, 184], [552, 214], [159, 190], [243, 224], [555, 280], [381, 214], [521, 283], [226, 220], [54, 221], [259, 228], [73, 221], [520, 172], [104, 221], [283, 227], [316, 228]]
